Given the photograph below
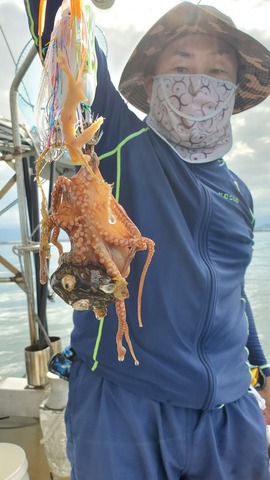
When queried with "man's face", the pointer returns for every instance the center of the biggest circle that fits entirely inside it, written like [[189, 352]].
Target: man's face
[[196, 54]]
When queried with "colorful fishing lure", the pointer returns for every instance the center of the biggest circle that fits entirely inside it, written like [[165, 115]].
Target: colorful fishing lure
[[73, 35]]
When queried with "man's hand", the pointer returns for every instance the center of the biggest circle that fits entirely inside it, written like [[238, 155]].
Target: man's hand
[[265, 393]]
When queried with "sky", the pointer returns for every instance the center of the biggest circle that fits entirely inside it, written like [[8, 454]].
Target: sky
[[123, 25]]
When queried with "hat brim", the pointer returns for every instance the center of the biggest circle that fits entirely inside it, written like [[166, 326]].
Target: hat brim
[[187, 18]]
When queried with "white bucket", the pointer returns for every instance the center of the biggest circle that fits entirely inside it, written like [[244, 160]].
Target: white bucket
[[13, 462]]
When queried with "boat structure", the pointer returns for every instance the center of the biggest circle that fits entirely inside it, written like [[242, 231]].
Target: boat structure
[[25, 418]]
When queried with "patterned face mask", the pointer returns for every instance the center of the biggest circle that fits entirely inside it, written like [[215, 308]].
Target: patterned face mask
[[192, 113]]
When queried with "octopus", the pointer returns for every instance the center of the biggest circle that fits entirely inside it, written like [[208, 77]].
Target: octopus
[[103, 239]]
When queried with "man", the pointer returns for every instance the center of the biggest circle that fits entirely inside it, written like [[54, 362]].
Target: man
[[185, 412]]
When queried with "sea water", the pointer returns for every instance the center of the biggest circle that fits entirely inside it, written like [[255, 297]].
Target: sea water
[[14, 325], [14, 328]]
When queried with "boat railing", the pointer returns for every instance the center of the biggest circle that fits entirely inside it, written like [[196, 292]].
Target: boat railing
[[22, 202]]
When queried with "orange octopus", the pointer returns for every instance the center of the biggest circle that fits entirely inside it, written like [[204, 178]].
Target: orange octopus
[[99, 229]]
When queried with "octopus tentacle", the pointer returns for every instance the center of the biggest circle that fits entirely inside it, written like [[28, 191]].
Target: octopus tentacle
[[54, 239], [150, 245], [123, 331], [44, 248]]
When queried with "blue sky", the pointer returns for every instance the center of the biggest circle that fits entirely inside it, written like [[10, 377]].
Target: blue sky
[[128, 20]]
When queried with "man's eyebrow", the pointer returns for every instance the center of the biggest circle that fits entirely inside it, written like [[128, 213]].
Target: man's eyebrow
[[182, 53], [218, 51]]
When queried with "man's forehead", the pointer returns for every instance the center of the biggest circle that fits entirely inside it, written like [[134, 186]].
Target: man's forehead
[[189, 41]]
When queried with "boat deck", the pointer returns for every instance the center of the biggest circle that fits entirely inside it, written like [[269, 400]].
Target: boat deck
[[26, 433]]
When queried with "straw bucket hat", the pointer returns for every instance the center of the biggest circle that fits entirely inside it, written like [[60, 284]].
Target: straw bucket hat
[[187, 18]]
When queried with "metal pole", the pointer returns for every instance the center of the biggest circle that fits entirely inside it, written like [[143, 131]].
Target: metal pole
[[21, 190]]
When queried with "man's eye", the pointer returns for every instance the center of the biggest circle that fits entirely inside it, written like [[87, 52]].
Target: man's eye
[[217, 71], [181, 69]]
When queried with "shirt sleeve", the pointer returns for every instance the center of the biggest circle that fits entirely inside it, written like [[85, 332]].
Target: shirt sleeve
[[32, 8], [119, 120], [256, 355]]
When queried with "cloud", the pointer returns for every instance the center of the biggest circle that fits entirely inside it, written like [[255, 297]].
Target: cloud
[[249, 157], [13, 38], [123, 25]]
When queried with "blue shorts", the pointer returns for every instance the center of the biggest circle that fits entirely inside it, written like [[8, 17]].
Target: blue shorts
[[114, 434]]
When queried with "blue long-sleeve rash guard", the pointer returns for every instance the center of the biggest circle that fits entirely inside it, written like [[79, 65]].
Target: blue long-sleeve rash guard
[[192, 348]]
